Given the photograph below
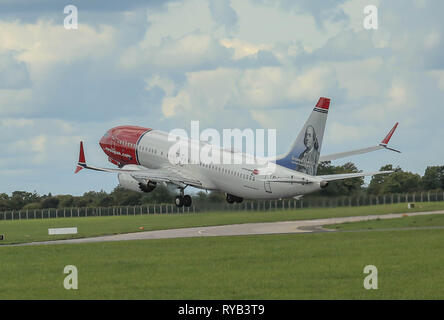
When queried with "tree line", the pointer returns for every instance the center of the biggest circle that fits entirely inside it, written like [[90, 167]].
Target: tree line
[[398, 182]]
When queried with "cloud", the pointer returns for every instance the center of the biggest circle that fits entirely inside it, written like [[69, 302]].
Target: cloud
[[223, 13], [209, 90], [220, 94], [14, 101], [176, 20], [361, 78], [14, 73], [266, 22], [338, 48], [342, 133], [190, 52], [90, 12], [438, 76], [238, 63], [242, 48], [45, 43], [163, 82]]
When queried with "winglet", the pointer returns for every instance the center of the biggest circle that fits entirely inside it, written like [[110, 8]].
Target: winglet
[[390, 134], [82, 162], [386, 140]]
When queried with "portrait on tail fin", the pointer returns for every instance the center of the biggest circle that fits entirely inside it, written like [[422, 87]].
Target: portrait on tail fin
[[305, 151], [308, 159]]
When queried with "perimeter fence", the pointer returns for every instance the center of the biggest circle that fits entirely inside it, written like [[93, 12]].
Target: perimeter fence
[[198, 207]]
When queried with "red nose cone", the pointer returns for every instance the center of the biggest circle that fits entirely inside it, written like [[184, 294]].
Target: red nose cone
[[103, 142], [120, 144]]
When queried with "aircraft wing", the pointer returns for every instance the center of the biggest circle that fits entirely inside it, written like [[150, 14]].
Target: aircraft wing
[[382, 145], [140, 173], [334, 177], [165, 175]]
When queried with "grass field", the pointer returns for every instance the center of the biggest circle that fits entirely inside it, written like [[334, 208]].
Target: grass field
[[20, 231], [296, 266], [405, 222], [301, 266]]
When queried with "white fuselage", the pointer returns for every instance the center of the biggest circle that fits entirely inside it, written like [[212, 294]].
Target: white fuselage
[[242, 177]]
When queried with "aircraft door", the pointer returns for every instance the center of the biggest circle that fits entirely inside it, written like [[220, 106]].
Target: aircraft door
[[267, 187]]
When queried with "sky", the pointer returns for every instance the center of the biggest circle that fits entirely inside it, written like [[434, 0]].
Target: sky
[[229, 64]]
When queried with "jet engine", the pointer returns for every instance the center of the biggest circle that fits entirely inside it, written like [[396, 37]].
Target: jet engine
[[128, 182], [323, 184]]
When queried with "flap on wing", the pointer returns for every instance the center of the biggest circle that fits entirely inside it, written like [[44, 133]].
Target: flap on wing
[[165, 175]]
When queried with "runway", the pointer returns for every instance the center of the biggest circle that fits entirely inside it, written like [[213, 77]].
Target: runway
[[286, 227]]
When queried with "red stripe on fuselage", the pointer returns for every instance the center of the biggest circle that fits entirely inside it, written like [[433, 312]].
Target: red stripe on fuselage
[[120, 144]]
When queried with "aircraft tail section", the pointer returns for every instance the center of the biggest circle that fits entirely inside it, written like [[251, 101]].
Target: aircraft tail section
[[305, 151]]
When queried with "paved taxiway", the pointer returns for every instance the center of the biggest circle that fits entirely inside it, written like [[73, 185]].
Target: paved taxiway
[[301, 226]]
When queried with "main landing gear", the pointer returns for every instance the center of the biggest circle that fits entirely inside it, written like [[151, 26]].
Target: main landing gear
[[183, 200], [232, 199]]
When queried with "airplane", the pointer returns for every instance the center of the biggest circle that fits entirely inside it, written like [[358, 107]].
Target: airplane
[[143, 160]]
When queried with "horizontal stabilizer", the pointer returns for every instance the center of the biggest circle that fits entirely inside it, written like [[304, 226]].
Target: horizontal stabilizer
[[335, 177], [141, 174], [288, 180], [325, 178], [82, 162]]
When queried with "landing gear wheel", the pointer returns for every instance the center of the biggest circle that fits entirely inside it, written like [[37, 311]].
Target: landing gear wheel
[[179, 201], [239, 200], [230, 199], [187, 201]]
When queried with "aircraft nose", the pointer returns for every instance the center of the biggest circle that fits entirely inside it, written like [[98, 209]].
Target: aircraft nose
[[104, 140]]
